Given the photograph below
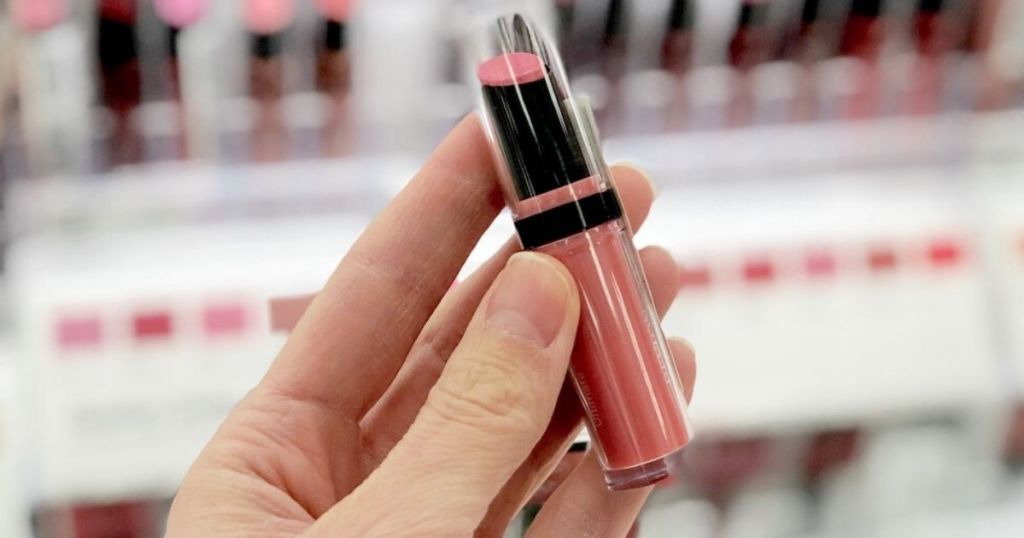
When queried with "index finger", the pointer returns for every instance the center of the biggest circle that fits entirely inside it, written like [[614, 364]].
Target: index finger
[[356, 333]]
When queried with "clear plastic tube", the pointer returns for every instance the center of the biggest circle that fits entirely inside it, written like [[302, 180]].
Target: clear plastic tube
[[564, 204]]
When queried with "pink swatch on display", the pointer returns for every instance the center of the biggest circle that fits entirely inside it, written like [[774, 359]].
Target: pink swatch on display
[[224, 320], [944, 253], [758, 271], [285, 312], [694, 277], [79, 332], [820, 263], [181, 13], [36, 15], [881, 259]]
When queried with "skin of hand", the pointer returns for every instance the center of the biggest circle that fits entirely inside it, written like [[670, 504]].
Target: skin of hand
[[402, 406]]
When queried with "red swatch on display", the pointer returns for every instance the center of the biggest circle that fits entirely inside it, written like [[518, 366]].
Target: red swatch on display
[[694, 277], [881, 259], [122, 520], [152, 326], [945, 253], [820, 263], [224, 319], [758, 271], [79, 332]]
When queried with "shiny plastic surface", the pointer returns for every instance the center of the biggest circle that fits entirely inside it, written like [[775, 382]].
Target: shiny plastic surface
[[554, 174]]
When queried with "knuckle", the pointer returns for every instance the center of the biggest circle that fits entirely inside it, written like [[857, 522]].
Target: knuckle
[[482, 392]]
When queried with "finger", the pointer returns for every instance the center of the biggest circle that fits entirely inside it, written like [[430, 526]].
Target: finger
[[369, 313], [584, 506], [390, 417], [566, 465], [686, 363], [662, 274], [543, 459], [487, 410]]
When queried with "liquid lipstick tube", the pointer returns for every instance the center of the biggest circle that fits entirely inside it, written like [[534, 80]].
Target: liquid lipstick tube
[[564, 204]]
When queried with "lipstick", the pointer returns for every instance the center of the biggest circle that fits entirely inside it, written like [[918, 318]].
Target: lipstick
[[179, 15], [565, 11], [933, 40], [118, 50], [809, 47], [676, 47], [54, 88], [747, 48], [333, 71], [564, 204], [266, 21], [862, 39], [37, 15], [614, 40]]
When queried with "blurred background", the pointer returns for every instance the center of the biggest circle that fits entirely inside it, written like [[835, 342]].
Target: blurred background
[[842, 182]]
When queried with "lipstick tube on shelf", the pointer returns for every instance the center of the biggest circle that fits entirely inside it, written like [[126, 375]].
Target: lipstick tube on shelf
[[564, 204], [267, 21], [809, 47], [677, 45], [995, 36], [180, 16], [747, 49], [676, 59], [54, 88], [862, 40], [613, 48], [934, 38], [121, 81], [333, 71]]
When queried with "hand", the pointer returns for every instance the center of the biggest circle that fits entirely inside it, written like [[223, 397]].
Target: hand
[[400, 408]]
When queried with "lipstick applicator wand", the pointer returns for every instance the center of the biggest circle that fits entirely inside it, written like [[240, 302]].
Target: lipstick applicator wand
[[564, 204]]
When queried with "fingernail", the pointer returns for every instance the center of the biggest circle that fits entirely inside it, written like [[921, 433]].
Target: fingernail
[[643, 173], [685, 343], [529, 299]]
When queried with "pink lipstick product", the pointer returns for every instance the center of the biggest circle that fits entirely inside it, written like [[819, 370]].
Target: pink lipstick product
[[333, 70], [862, 39], [36, 15], [179, 15], [564, 205], [54, 88], [267, 20]]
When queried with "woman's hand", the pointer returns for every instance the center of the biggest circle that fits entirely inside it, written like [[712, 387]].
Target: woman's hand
[[400, 408]]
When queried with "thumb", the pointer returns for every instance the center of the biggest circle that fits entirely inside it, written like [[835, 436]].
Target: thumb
[[482, 418]]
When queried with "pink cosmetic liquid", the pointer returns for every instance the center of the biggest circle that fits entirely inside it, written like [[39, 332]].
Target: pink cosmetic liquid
[[564, 205]]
